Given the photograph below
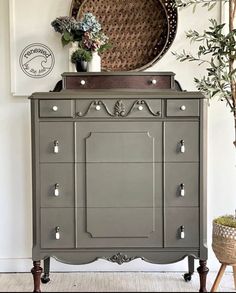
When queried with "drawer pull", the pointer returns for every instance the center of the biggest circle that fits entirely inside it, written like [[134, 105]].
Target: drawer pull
[[182, 146], [82, 82], [182, 232], [154, 81], [56, 190], [54, 108], [183, 108], [182, 190], [98, 108], [57, 233], [56, 147], [140, 108]]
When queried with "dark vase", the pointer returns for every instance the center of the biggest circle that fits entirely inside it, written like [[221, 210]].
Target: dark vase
[[81, 66]]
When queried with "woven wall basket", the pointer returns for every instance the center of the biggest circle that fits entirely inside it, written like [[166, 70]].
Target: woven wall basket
[[224, 243], [140, 31]]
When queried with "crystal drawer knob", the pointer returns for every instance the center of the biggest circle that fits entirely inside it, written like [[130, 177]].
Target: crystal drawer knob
[[82, 82], [182, 147], [183, 108], [182, 232], [56, 190], [140, 108], [56, 147], [55, 108], [182, 190], [154, 81], [98, 108], [57, 236]]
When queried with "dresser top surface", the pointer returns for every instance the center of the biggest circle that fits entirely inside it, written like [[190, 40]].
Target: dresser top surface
[[117, 93], [127, 73]]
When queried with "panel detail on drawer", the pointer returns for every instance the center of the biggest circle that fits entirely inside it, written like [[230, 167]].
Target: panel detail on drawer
[[123, 185], [182, 108], [57, 228], [182, 227], [119, 147], [56, 142], [120, 227], [181, 184], [56, 108], [57, 185], [181, 141], [119, 142], [113, 82], [140, 108], [120, 222]]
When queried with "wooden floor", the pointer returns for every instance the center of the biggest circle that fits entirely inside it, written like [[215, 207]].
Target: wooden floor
[[112, 282]]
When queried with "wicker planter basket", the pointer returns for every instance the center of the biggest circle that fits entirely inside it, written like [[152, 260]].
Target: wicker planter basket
[[224, 243]]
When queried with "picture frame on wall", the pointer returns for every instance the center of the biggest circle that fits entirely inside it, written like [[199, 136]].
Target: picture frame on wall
[[37, 56]]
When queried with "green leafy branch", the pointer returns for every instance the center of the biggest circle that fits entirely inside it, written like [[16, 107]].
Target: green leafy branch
[[216, 51], [209, 4]]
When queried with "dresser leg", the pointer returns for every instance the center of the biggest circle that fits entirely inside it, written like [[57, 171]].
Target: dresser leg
[[203, 271], [36, 271], [234, 270], [188, 276], [46, 269]]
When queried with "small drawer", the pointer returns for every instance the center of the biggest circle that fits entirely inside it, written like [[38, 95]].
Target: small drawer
[[56, 142], [182, 108], [182, 227], [181, 142], [182, 184], [56, 108], [140, 108], [118, 81], [57, 185], [57, 228]]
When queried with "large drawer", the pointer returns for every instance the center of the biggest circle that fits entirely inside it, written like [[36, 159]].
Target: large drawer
[[61, 221], [118, 82], [119, 227], [56, 108], [111, 108], [185, 220], [182, 108], [122, 142]]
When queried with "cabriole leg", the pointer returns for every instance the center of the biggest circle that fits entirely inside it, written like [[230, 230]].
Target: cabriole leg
[[36, 271], [203, 271], [234, 270]]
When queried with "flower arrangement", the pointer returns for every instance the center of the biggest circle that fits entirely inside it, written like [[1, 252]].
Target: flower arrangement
[[88, 32]]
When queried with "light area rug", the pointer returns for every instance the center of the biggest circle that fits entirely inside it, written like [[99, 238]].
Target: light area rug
[[113, 282]]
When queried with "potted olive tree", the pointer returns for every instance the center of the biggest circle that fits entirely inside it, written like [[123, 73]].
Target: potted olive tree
[[217, 51]]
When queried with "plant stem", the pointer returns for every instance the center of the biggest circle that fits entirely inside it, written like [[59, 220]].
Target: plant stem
[[232, 13]]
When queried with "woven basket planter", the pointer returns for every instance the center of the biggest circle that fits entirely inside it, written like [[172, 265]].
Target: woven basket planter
[[224, 243]]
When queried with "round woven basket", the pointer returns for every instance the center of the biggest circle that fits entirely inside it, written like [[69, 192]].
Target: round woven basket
[[224, 243], [140, 31]]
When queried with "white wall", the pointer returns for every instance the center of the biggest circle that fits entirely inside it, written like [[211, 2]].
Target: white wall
[[15, 166]]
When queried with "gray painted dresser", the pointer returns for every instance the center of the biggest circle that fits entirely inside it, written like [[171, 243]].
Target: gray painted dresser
[[119, 172]]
